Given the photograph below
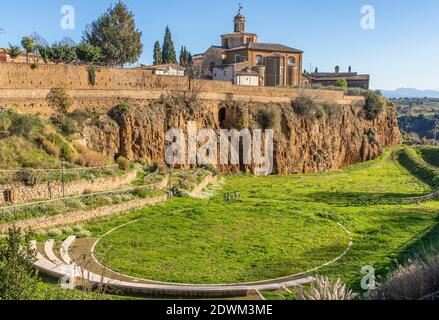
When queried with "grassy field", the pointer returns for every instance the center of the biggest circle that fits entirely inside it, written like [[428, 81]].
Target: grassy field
[[430, 155], [280, 225]]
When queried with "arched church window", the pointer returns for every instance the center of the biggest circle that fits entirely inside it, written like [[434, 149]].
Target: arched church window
[[259, 60], [291, 61]]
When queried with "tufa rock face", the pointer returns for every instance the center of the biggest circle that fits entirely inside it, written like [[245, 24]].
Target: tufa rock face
[[331, 138]]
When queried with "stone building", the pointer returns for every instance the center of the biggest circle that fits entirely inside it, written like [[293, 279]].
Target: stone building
[[166, 70], [326, 79], [276, 64]]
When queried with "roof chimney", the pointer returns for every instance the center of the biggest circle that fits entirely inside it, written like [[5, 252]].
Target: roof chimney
[[317, 70], [337, 69], [350, 69]]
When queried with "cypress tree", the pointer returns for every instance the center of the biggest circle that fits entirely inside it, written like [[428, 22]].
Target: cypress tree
[[158, 58], [185, 56], [168, 52]]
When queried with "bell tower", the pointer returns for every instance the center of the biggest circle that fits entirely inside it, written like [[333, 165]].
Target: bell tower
[[239, 21]]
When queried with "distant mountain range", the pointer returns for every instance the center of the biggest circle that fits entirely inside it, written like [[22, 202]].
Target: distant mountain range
[[410, 93]]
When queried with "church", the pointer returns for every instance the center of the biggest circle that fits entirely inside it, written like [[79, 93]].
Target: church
[[242, 59]]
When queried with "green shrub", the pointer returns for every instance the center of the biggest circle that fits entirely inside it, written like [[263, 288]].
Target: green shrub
[[356, 92], [66, 124], [67, 230], [210, 168], [29, 178], [83, 234], [268, 119], [307, 107], [18, 277], [25, 126], [54, 233], [373, 106], [342, 83], [91, 74], [68, 153], [5, 123], [123, 107], [60, 99]]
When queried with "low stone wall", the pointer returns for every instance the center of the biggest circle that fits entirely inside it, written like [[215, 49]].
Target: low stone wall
[[27, 89], [53, 189], [47, 222]]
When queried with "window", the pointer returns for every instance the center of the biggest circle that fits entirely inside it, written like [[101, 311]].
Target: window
[[239, 58], [259, 60], [291, 61]]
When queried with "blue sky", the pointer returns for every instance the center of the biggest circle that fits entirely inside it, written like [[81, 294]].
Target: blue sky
[[402, 51]]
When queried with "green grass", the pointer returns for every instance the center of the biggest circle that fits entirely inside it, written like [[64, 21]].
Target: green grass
[[281, 225], [16, 152], [418, 167], [430, 155]]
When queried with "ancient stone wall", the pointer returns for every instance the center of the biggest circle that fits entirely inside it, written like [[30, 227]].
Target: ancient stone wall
[[54, 189], [27, 89]]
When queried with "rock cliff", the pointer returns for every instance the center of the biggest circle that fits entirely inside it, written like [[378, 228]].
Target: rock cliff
[[327, 138]]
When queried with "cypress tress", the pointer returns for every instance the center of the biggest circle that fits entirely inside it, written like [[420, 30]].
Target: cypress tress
[[168, 51], [158, 57]]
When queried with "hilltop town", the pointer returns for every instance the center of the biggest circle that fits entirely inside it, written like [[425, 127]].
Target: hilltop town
[[233, 173]]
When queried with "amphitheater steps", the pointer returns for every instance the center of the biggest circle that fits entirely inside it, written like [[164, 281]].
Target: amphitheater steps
[[57, 268]]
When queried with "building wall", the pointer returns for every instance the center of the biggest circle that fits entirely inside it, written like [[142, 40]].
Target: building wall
[[223, 73], [286, 74], [244, 80], [212, 57], [363, 84]]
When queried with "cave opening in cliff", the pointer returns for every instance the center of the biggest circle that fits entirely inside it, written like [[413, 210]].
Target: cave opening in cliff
[[222, 117]]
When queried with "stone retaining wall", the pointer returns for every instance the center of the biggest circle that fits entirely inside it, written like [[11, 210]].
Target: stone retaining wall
[[47, 222], [26, 89], [53, 189]]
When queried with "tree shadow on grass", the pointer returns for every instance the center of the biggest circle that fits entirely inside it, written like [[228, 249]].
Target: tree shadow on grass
[[423, 247], [342, 198]]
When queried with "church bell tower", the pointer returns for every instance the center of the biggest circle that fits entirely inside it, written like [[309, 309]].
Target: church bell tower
[[239, 21]]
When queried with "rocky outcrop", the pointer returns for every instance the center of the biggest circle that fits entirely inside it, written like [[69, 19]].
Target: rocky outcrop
[[332, 138]]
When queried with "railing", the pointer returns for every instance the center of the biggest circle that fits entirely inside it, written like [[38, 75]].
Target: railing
[[359, 202]]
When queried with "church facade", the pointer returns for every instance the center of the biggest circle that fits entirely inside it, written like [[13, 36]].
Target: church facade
[[241, 53]]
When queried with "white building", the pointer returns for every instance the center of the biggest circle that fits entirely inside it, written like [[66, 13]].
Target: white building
[[167, 70], [237, 73], [247, 78]]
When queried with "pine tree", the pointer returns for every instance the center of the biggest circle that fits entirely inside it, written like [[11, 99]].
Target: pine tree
[[116, 34], [168, 52], [158, 58]]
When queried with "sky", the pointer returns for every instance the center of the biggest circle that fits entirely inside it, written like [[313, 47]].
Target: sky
[[401, 51]]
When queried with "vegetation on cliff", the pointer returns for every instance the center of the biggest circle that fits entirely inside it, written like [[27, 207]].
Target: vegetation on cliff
[[34, 142]]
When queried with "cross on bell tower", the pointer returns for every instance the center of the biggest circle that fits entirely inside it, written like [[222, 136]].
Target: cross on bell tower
[[239, 21]]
